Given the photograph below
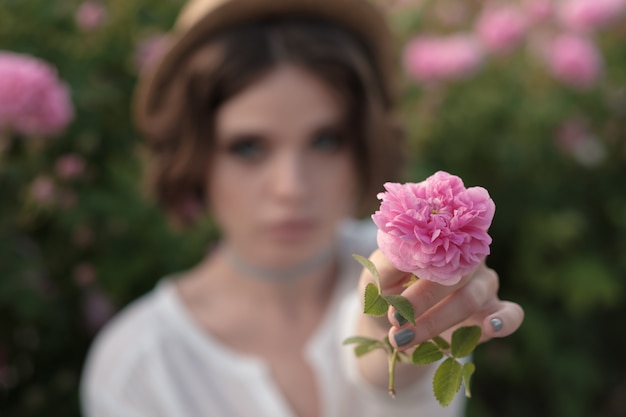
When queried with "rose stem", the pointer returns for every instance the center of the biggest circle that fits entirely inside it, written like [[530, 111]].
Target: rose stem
[[392, 373]]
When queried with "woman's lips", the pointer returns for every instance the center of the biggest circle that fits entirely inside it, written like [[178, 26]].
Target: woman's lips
[[291, 230]]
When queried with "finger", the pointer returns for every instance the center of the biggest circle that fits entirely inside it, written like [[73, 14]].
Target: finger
[[502, 321], [498, 319], [456, 308], [423, 295]]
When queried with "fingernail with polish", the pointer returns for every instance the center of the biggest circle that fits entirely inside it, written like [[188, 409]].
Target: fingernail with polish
[[403, 337], [497, 324], [401, 320]]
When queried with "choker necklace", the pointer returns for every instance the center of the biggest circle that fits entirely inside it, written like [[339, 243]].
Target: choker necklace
[[283, 274]]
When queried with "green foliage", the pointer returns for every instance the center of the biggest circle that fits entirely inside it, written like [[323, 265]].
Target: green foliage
[[377, 303], [402, 306], [369, 265], [468, 370], [451, 372], [364, 345], [447, 381], [559, 233], [441, 343], [374, 304], [426, 353], [464, 341], [68, 264]]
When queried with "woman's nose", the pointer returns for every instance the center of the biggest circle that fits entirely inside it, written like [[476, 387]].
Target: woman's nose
[[289, 179]]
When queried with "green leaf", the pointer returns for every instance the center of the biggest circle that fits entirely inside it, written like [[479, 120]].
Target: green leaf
[[364, 348], [370, 267], [364, 344], [358, 339], [426, 353], [447, 381], [402, 306], [374, 305], [441, 342], [468, 371], [464, 341]]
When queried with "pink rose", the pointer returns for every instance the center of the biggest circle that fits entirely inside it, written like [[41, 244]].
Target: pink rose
[[43, 190], [85, 274], [70, 166], [438, 59], [538, 10], [398, 5], [575, 61], [502, 29], [149, 52], [435, 229], [33, 101], [576, 139], [452, 13], [590, 15], [97, 309], [90, 15], [67, 198], [83, 237], [189, 210]]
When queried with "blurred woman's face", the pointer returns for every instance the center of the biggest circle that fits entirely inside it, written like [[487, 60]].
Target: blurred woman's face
[[283, 175]]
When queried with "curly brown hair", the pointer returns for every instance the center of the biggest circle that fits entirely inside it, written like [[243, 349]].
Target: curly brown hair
[[178, 135]]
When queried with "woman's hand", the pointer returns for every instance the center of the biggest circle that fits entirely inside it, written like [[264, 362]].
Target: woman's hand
[[440, 309]]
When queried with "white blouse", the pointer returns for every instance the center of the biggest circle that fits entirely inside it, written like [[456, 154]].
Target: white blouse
[[154, 360]]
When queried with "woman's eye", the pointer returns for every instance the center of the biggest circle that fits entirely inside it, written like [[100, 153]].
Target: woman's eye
[[248, 149], [328, 141]]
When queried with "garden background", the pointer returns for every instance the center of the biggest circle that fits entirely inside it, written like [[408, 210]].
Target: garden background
[[525, 98]]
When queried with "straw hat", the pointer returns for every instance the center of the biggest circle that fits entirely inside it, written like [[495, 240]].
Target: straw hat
[[201, 18]]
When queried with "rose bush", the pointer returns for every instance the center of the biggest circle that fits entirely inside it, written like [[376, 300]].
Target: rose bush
[[71, 209], [33, 100], [552, 157], [435, 229], [543, 128], [440, 59]]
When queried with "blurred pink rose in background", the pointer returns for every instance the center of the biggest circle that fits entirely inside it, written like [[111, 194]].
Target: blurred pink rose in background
[[149, 51], [90, 15], [97, 309], [83, 237], [43, 190], [70, 166], [190, 210], [435, 229], [590, 15], [67, 198], [452, 13], [575, 138], [33, 101], [432, 59], [574, 60], [502, 29], [398, 5], [538, 10], [84, 274]]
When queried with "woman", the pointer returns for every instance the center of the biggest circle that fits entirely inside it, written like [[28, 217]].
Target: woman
[[277, 116]]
